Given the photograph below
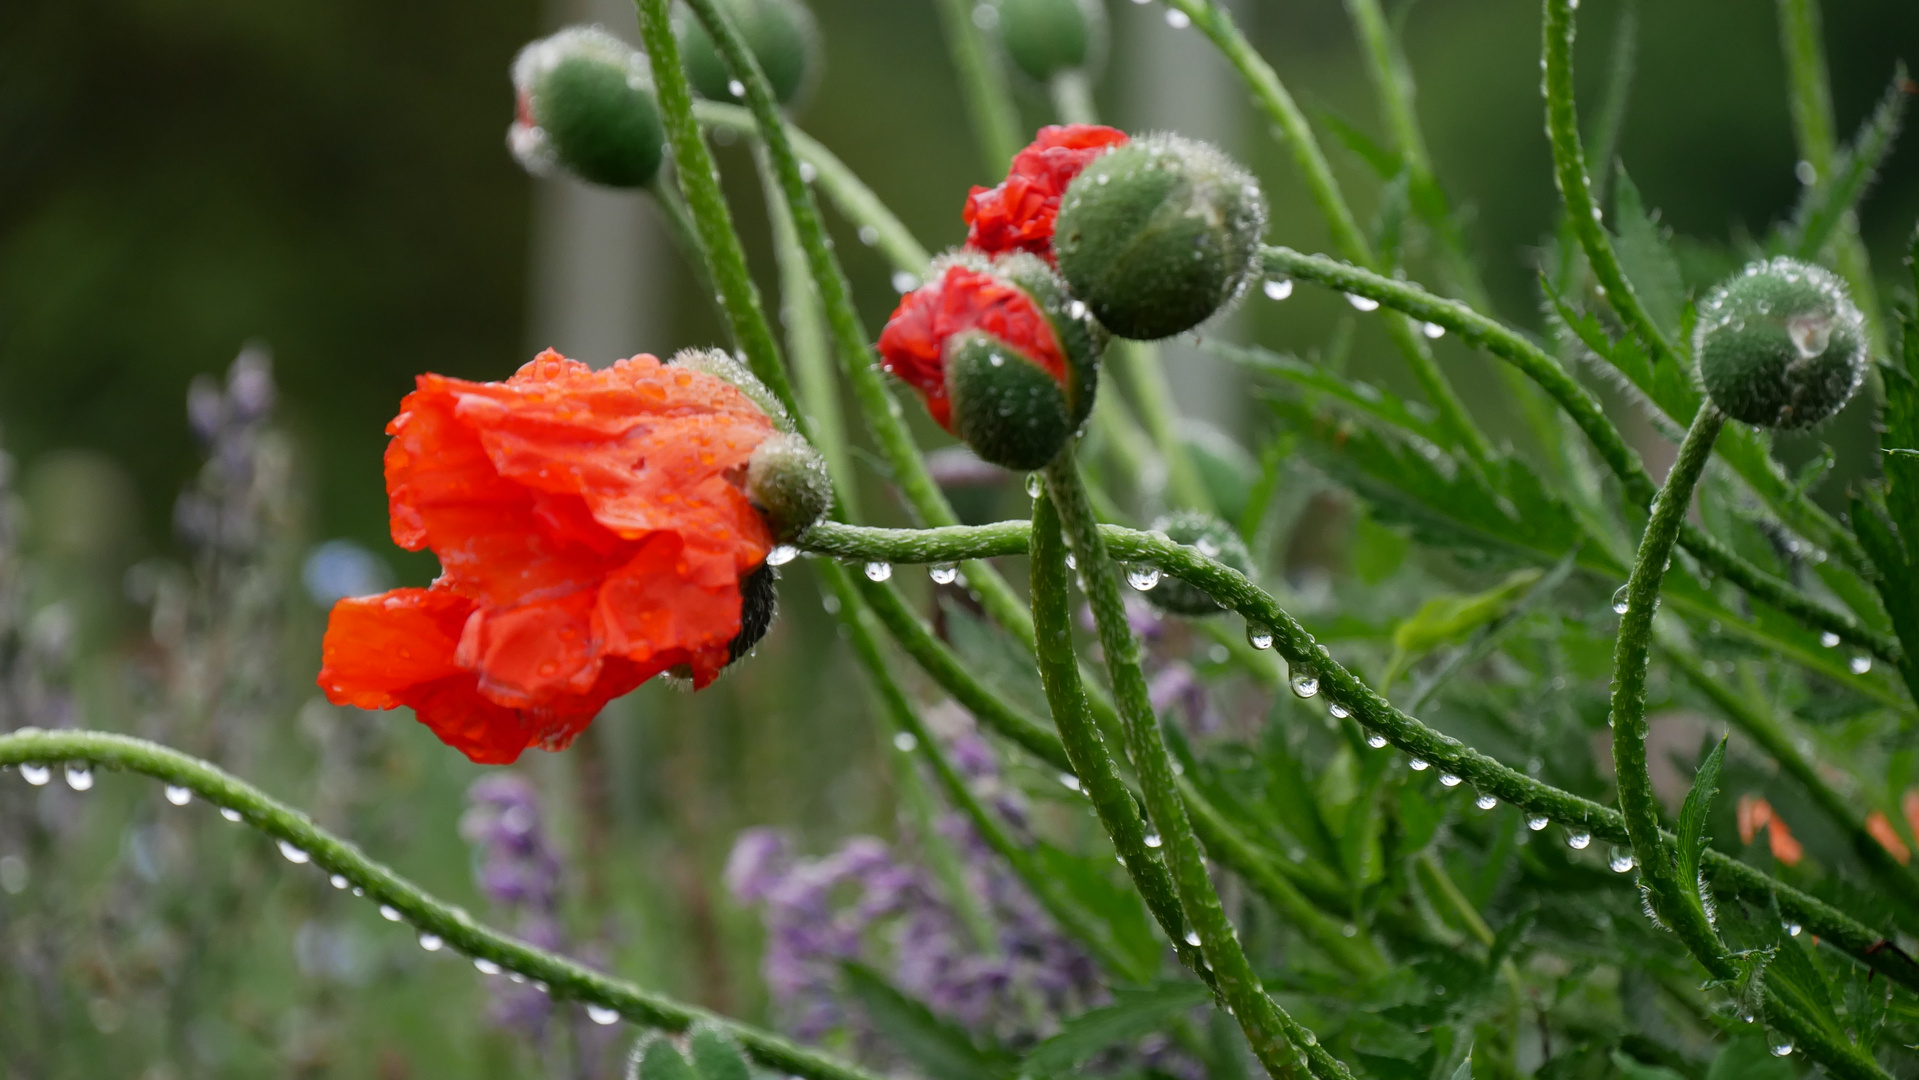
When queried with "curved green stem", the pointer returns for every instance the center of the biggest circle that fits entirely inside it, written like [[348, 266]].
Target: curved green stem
[[1584, 410], [1273, 99], [1575, 185], [1679, 904], [1273, 1034], [562, 977], [1233, 590]]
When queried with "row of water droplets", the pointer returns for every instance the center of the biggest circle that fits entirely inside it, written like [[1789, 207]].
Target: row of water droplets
[[79, 777], [1858, 665], [1279, 288]]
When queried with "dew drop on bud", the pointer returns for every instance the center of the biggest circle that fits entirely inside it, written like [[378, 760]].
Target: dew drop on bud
[[178, 795], [1376, 741], [1420, 764], [1448, 779], [389, 913], [1829, 639], [602, 1015], [1433, 330], [484, 966], [782, 554], [79, 777], [1259, 638], [37, 775], [338, 881], [1537, 823], [1034, 485], [293, 854], [943, 573], [1339, 711], [1578, 841], [230, 813], [1622, 862], [431, 942], [1304, 684], [1277, 288], [1619, 604], [1142, 578], [1362, 303], [1486, 802], [1859, 665], [878, 571], [1192, 938], [906, 742]]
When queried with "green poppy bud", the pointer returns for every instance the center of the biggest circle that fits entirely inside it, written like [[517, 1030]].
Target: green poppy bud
[[1781, 345], [585, 105], [1046, 37], [1214, 539], [729, 369], [786, 480], [782, 35], [1159, 234]]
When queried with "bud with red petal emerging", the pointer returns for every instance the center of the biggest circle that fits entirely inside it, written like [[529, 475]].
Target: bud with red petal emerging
[[1004, 357], [786, 478], [585, 105], [1018, 214], [1159, 234]]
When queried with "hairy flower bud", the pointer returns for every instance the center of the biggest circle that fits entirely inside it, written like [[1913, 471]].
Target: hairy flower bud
[[1214, 539], [585, 105], [1046, 37], [1004, 358], [1159, 234], [1017, 214], [1781, 345], [786, 478], [782, 35]]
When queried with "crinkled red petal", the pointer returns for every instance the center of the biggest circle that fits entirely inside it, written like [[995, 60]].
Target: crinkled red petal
[[1018, 215], [912, 347]]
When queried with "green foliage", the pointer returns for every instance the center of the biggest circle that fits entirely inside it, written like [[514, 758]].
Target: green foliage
[[943, 1050]]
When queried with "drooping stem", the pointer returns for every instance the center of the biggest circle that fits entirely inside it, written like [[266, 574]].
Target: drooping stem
[[301, 839], [1273, 1034], [989, 103], [1584, 410], [1233, 591]]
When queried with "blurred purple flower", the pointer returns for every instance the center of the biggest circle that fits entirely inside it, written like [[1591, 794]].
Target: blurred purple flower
[[518, 870]]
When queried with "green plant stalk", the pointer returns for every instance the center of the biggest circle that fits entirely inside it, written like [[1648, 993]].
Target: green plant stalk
[[1233, 590], [854, 199], [989, 102], [1273, 99], [1575, 185], [1679, 904], [881, 410], [1770, 733], [1072, 94], [1274, 1035], [1585, 412], [564, 979], [699, 180], [679, 223]]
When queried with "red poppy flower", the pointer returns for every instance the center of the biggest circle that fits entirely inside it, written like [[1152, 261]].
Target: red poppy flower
[[1018, 214], [592, 531], [912, 347]]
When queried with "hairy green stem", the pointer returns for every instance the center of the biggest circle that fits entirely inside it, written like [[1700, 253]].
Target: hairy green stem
[[1233, 590], [1273, 1034], [1273, 99], [989, 103], [881, 410], [563, 978], [1584, 410]]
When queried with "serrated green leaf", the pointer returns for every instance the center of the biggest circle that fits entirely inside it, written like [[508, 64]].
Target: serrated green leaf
[[1825, 203], [1133, 1013], [1692, 818], [716, 1056], [1794, 977], [942, 1050], [661, 1060], [1363, 397], [1088, 883], [1649, 264]]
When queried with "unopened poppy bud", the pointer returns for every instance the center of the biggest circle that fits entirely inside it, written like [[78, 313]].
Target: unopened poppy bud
[[782, 35], [787, 481], [1781, 345], [1004, 358], [585, 105], [729, 369], [1159, 234], [1214, 539], [1046, 37]]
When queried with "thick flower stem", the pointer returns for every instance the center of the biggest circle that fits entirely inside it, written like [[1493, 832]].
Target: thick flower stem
[[881, 410], [1232, 590], [565, 979], [1585, 412], [1679, 904], [1274, 1036], [1273, 99]]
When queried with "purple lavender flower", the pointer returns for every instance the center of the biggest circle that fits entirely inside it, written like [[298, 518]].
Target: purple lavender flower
[[518, 870], [1177, 685]]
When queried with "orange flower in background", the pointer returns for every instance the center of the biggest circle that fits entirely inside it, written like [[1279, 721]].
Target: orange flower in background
[[1880, 826], [592, 533], [1018, 214], [1755, 814]]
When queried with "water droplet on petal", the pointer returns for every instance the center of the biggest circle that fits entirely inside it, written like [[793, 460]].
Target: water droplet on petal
[[1829, 639], [782, 554], [79, 777], [1376, 741], [906, 742], [1537, 823], [230, 813], [1362, 303], [878, 571], [178, 795], [389, 913], [1578, 841], [37, 775], [431, 942], [943, 573], [1142, 578], [294, 855], [602, 1015]]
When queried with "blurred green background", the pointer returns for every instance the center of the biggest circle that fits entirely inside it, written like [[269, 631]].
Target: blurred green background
[[178, 177]]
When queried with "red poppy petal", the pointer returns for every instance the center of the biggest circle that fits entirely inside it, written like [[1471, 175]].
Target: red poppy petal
[[376, 647]]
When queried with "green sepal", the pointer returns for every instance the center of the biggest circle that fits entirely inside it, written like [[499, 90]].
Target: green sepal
[[601, 127], [1081, 338], [787, 481], [1007, 408]]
